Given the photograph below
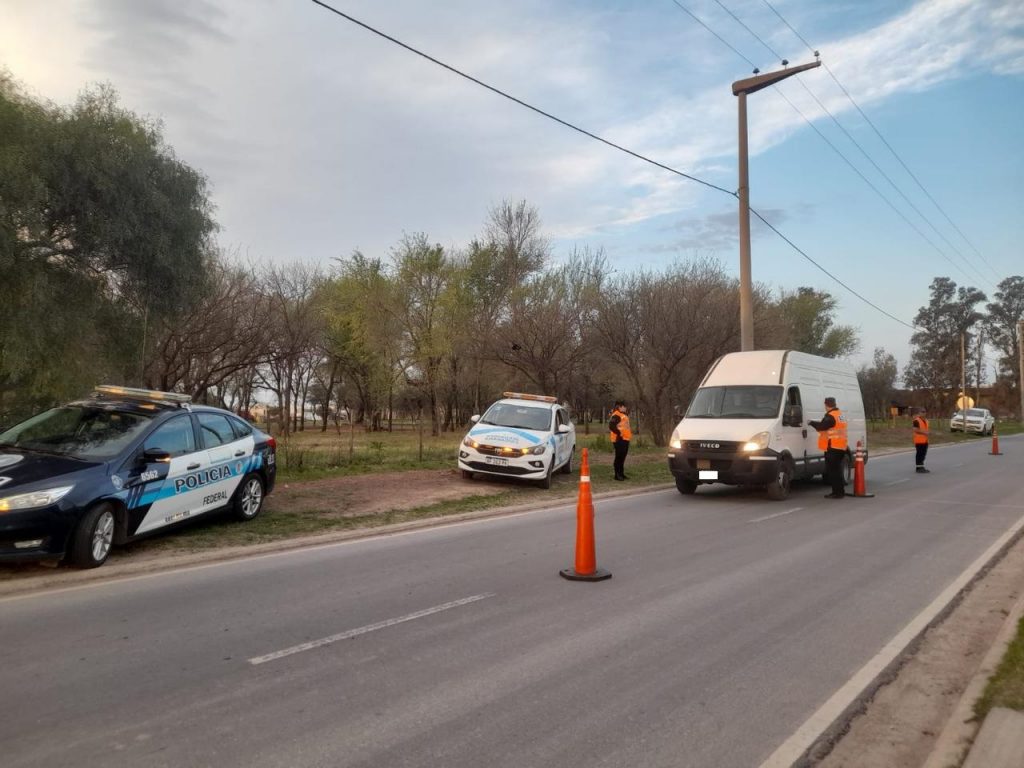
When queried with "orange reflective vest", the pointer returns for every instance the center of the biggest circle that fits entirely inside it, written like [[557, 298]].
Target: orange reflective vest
[[920, 422], [624, 430], [834, 437]]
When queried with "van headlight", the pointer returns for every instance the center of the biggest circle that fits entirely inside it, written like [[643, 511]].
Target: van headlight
[[758, 442], [676, 441], [34, 499]]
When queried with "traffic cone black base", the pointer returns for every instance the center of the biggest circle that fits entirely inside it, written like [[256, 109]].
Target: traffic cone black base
[[599, 575]]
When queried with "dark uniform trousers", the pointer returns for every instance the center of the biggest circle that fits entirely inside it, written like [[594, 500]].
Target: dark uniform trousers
[[621, 449], [834, 470]]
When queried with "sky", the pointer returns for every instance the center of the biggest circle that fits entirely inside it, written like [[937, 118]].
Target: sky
[[320, 138]]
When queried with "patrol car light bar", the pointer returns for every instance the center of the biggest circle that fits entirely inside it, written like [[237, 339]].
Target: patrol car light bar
[[142, 394], [521, 396]]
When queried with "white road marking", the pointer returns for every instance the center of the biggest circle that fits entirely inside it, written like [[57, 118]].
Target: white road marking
[[807, 734], [777, 514], [368, 628], [897, 482]]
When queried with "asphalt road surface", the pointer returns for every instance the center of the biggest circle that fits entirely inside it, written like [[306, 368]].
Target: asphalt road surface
[[728, 622]]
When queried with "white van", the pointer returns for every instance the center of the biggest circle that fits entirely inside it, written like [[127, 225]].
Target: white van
[[747, 422]]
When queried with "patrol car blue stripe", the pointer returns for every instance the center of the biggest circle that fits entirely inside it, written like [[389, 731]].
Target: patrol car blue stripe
[[139, 497], [525, 435]]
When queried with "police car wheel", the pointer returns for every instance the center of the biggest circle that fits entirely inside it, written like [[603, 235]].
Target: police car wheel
[[546, 482], [93, 538], [567, 467], [249, 497]]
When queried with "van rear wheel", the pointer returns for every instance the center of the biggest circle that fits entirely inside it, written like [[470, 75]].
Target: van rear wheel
[[778, 489]]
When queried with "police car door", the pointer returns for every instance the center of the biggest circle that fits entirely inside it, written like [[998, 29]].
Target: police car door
[[157, 493], [228, 457], [561, 440]]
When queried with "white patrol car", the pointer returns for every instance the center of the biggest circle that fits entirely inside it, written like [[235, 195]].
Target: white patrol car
[[524, 436]]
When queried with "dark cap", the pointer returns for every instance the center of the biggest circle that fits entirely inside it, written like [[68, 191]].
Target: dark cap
[[830, 401]]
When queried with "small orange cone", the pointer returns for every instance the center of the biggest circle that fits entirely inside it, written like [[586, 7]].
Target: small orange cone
[[995, 443], [586, 560], [859, 490]]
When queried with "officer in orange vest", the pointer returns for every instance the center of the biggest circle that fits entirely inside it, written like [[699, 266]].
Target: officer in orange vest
[[832, 441], [620, 435], [921, 437]]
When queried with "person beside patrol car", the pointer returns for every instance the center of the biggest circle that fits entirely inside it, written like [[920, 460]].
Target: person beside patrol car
[[832, 440], [620, 435]]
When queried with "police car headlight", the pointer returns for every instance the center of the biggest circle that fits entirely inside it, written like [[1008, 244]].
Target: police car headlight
[[538, 450], [34, 499], [758, 442], [469, 441]]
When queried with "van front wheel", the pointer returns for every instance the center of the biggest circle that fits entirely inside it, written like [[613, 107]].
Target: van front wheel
[[686, 487], [778, 489]]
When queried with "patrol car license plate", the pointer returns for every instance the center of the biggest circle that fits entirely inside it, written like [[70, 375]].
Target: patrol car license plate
[[703, 463], [496, 461]]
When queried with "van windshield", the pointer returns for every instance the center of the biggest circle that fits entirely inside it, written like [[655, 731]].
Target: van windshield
[[735, 402]]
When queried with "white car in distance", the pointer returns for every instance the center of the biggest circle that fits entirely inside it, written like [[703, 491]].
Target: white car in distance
[[523, 436], [979, 420]]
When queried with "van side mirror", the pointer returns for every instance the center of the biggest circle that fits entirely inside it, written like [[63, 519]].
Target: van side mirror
[[793, 416]]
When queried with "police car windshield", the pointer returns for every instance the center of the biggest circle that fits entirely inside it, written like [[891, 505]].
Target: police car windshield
[[518, 417], [89, 434], [736, 402]]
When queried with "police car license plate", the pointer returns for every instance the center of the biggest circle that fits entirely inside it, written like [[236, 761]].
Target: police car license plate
[[496, 461], [703, 463]]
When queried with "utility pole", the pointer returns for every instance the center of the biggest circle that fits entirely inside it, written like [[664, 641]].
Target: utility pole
[[740, 89], [1020, 369], [963, 377]]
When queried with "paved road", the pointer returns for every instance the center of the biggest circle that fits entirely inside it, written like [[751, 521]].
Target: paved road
[[725, 626]]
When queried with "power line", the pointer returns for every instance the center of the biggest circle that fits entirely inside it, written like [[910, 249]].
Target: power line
[[885, 142], [875, 189], [594, 136], [801, 252], [899, 191], [721, 39], [520, 102], [739, 21]]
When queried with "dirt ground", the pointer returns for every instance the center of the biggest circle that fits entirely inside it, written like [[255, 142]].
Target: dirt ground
[[361, 495], [900, 726]]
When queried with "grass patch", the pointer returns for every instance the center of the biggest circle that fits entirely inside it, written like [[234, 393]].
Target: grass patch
[[315, 455], [222, 530], [1006, 687], [884, 435]]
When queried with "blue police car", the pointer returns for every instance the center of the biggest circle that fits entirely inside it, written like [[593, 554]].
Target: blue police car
[[77, 479]]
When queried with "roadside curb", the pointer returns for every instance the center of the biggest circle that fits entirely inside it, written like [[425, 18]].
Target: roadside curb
[[957, 737], [71, 579]]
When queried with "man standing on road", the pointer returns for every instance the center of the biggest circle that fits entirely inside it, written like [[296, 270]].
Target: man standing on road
[[832, 440], [621, 434], [921, 437]]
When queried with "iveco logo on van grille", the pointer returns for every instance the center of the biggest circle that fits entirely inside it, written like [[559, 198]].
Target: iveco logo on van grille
[[710, 445]]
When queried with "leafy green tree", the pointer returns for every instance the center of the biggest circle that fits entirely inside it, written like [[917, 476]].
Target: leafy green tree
[[807, 318], [102, 229], [935, 362], [877, 383], [1001, 326]]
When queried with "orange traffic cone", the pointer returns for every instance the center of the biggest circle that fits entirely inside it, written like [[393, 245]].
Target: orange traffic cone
[[859, 490], [995, 443], [586, 561]]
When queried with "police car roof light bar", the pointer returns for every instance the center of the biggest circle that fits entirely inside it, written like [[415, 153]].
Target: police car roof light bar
[[133, 393], [521, 396]]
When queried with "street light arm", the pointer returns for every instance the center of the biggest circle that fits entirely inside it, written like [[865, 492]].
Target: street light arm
[[754, 84]]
